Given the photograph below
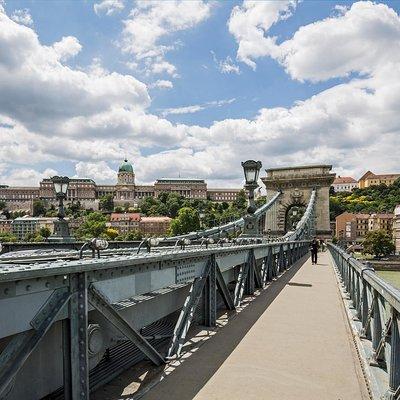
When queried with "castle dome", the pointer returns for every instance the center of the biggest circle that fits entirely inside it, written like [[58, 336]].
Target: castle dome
[[125, 167]]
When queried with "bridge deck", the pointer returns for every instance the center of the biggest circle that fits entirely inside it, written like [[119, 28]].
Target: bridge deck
[[298, 348], [292, 342]]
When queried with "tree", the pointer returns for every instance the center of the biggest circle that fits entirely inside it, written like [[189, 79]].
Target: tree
[[146, 204], [3, 205], [44, 232], [74, 209], [7, 237], [38, 208], [29, 237], [111, 233], [94, 225], [187, 221], [378, 243], [133, 235], [107, 203], [241, 200]]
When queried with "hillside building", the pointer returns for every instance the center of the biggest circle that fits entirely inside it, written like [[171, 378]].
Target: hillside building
[[125, 191]]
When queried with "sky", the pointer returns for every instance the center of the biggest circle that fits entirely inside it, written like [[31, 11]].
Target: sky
[[192, 88]]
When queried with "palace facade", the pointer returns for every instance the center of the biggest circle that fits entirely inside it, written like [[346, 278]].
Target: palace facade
[[125, 191]]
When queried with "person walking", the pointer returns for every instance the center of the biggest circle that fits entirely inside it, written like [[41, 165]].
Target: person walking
[[314, 251]]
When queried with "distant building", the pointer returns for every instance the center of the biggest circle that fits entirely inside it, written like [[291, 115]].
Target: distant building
[[371, 179], [124, 222], [20, 227], [154, 226], [125, 191], [344, 184], [396, 228], [353, 227], [222, 195], [5, 225], [19, 198], [188, 188]]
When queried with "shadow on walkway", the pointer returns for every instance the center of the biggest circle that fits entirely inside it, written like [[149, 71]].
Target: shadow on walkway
[[188, 379]]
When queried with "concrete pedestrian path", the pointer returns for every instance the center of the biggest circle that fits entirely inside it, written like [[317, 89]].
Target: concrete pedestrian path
[[292, 342]]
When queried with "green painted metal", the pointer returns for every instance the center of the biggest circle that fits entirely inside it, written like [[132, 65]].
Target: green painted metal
[[377, 307], [98, 300]]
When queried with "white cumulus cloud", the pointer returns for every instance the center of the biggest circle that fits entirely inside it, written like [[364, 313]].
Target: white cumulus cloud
[[162, 84], [100, 172], [150, 23], [22, 16], [250, 22], [54, 112], [108, 7]]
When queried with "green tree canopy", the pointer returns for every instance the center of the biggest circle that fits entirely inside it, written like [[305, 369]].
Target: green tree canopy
[[241, 201], [44, 232], [378, 243], [107, 203], [39, 207], [187, 221], [379, 198], [7, 237], [94, 225], [133, 235]]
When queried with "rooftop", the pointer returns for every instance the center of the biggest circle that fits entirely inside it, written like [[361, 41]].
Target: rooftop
[[156, 219], [168, 180], [344, 179], [301, 167], [125, 216]]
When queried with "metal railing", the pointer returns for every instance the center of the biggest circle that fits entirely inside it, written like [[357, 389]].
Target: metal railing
[[376, 310], [229, 227], [63, 321]]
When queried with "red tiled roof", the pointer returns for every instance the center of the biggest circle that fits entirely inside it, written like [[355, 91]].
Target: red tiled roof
[[387, 176], [344, 179], [155, 219], [366, 175], [125, 216]]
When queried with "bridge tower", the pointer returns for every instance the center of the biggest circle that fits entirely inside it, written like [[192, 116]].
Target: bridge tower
[[296, 184]]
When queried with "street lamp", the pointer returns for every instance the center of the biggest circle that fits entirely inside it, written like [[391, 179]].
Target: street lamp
[[251, 171], [201, 218], [61, 229]]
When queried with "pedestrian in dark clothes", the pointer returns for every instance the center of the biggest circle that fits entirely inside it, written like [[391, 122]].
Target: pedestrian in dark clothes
[[314, 250]]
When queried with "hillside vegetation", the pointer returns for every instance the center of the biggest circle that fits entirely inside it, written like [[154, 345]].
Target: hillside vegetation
[[380, 198]]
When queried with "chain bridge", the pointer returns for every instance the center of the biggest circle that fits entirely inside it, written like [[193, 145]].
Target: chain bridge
[[200, 316]]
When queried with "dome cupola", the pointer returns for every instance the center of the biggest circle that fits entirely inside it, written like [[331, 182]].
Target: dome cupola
[[126, 167]]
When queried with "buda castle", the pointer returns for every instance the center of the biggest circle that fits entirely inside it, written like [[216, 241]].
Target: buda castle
[[126, 191]]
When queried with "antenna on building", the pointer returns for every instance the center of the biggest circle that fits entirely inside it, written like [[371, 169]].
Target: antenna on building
[[179, 174]]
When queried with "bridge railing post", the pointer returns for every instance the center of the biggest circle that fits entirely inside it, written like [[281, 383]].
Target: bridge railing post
[[394, 362], [209, 311], [78, 377], [376, 331], [249, 283]]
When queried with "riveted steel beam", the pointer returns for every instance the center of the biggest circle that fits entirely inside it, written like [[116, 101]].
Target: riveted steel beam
[[77, 379], [249, 282], [97, 299], [257, 276], [240, 283], [394, 364], [22, 345], [210, 296], [223, 289], [187, 312]]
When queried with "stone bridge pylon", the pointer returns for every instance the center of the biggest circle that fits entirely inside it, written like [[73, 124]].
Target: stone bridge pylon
[[296, 184]]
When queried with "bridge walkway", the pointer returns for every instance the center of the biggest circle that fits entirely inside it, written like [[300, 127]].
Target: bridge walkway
[[292, 342]]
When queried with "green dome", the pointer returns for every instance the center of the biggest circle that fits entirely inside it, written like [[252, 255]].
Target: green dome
[[125, 167]]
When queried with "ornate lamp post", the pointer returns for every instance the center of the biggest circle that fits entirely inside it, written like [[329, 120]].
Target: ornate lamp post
[[61, 229], [251, 170]]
